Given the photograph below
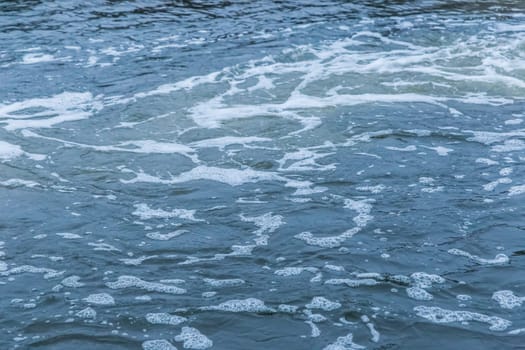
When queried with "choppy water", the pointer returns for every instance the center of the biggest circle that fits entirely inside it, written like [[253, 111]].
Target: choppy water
[[262, 175]]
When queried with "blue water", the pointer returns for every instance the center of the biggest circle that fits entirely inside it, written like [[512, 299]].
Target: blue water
[[262, 175]]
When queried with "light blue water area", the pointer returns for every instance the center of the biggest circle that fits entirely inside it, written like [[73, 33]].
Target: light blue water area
[[262, 174]]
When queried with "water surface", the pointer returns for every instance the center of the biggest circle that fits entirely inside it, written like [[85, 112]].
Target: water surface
[[262, 175]]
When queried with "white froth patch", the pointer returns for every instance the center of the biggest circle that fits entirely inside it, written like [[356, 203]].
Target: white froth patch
[[135, 282], [500, 259], [145, 212], [100, 299], [32, 58], [440, 150], [516, 190], [410, 148], [507, 299], [222, 142], [328, 241], [240, 305], [438, 315], [229, 176], [344, 343], [289, 309], [373, 332], [515, 121], [68, 235], [491, 186], [72, 282], [193, 339], [294, 271], [363, 209], [267, 223], [9, 151], [509, 146], [165, 318], [418, 293], [486, 161], [352, 282], [137, 261], [88, 313], [157, 236], [48, 273], [304, 159], [323, 304], [373, 189], [47, 112], [158, 344], [232, 282], [19, 183], [425, 280]]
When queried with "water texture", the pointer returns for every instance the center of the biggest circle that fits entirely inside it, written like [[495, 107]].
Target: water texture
[[262, 174]]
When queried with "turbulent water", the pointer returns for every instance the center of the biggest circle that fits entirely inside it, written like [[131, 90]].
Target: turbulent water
[[262, 174]]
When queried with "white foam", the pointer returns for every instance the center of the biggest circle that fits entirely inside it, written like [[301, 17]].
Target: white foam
[[373, 332], [88, 313], [137, 261], [418, 293], [165, 318], [223, 142], [363, 209], [509, 146], [229, 176], [100, 299], [145, 212], [289, 309], [48, 273], [158, 344], [344, 343], [193, 339], [515, 121], [131, 146], [323, 304], [440, 150], [373, 189], [47, 112], [327, 241], [135, 282], [304, 159], [493, 184], [486, 161], [18, 183], [240, 305], [463, 297], [507, 299], [438, 315], [72, 282], [516, 190], [266, 223], [68, 235], [165, 236], [32, 58], [410, 148], [294, 271], [500, 259], [425, 280], [9, 151], [105, 247], [315, 331], [224, 283], [351, 282]]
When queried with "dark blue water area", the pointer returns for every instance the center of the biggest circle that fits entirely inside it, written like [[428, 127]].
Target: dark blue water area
[[262, 174]]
